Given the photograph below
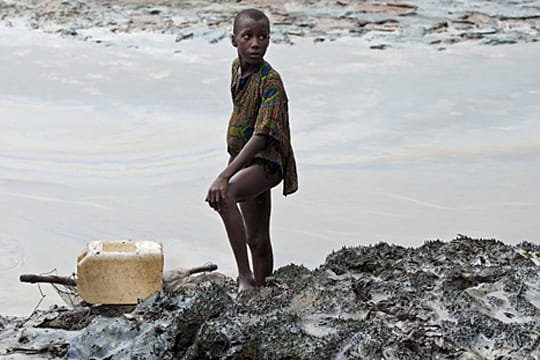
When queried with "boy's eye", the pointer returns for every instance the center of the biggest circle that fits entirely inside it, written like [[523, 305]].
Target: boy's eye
[[263, 37], [246, 36]]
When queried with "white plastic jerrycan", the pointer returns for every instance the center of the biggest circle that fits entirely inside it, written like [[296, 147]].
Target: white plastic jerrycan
[[119, 272]]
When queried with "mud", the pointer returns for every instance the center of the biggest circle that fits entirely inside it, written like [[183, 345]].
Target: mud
[[466, 299], [394, 23]]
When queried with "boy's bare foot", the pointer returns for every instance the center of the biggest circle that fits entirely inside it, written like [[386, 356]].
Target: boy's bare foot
[[246, 282]]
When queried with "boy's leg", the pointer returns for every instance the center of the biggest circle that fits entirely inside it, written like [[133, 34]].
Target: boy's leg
[[234, 226], [256, 214], [247, 184]]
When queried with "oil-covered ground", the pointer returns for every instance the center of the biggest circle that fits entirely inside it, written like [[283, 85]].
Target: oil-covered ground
[[463, 299], [437, 23]]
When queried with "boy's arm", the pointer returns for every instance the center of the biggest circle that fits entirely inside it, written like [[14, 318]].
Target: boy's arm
[[218, 189]]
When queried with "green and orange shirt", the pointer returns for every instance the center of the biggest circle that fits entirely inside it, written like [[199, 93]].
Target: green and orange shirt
[[260, 107]]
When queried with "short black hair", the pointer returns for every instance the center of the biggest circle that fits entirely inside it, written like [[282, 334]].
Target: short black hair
[[252, 14]]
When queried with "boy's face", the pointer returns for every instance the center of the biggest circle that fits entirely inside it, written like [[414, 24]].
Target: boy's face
[[251, 40]]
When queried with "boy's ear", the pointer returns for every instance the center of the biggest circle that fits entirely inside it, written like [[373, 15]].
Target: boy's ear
[[233, 41]]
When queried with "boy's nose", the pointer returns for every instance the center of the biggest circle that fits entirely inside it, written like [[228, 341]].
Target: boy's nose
[[255, 43]]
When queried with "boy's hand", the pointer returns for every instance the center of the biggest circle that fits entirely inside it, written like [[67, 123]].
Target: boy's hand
[[217, 192]]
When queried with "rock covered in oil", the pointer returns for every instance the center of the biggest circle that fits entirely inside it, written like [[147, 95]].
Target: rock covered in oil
[[463, 299]]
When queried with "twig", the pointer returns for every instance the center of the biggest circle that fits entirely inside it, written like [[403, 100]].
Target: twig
[[200, 269], [51, 279]]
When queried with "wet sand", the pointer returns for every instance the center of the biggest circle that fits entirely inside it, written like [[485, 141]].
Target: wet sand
[[120, 138]]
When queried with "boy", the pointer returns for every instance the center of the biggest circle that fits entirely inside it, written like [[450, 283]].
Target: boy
[[258, 141]]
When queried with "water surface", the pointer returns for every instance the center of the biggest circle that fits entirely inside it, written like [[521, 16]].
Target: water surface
[[121, 141]]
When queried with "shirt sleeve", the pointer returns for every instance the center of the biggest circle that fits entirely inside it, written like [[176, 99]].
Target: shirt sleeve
[[272, 117]]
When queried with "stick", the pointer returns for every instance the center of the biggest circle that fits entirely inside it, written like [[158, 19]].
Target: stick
[[204, 268], [52, 279]]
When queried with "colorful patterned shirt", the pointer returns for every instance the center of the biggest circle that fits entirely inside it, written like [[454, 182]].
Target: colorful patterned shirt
[[260, 107]]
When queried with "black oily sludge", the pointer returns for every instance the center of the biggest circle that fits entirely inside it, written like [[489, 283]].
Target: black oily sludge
[[467, 298]]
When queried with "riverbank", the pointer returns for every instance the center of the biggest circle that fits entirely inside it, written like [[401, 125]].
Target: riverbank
[[467, 298], [385, 24]]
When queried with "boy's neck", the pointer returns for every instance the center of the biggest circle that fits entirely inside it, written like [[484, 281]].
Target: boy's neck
[[247, 69]]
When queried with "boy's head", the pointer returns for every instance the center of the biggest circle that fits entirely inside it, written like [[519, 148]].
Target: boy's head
[[251, 35], [252, 14]]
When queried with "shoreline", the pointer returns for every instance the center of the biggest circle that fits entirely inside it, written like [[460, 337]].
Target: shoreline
[[383, 24]]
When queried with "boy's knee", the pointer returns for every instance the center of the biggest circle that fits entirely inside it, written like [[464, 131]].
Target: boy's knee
[[259, 243], [228, 206], [231, 197]]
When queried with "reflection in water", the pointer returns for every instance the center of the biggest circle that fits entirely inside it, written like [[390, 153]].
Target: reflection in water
[[400, 145]]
